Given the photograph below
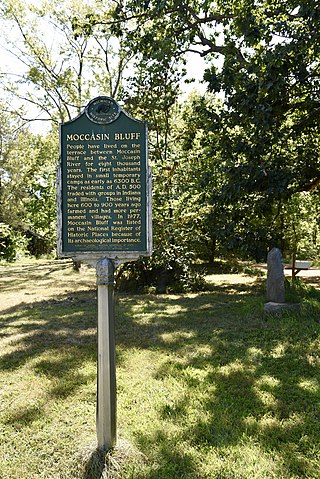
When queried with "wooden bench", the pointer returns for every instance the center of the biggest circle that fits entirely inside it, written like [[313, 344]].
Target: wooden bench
[[297, 266]]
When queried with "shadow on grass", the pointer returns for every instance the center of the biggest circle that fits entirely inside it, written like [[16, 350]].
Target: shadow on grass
[[173, 461], [24, 417], [259, 375], [261, 378], [41, 273], [56, 337], [95, 465]]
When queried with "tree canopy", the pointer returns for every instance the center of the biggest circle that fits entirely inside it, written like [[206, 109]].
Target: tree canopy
[[262, 145], [269, 76], [63, 61], [236, 169]]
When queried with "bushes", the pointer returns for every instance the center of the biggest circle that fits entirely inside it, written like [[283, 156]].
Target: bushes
[[15, 243], [12, 243], [164, 272]]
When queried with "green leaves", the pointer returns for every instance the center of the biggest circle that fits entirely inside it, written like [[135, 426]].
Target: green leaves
[[27, 191], [223, 172]]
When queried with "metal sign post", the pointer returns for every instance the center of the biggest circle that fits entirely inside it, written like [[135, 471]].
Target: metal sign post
[[106, 383], [104, 219]]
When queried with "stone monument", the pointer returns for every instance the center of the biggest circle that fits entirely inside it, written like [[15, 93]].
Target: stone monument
[[275, 278], [275, 284]]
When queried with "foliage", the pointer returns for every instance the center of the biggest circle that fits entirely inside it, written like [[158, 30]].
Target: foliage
[[300, 221], [272, 97], [231, 176], [27, 187], [271, 122], [238, 219], [166, 271], [66, 58], [266, 135], [171, 266], [12, 243]]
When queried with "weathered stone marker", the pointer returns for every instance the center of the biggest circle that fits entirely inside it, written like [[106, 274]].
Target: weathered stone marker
[[275, 285], [275, 278], [104, 219]]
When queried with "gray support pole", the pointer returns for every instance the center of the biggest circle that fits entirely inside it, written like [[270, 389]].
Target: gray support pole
[[106, 381]]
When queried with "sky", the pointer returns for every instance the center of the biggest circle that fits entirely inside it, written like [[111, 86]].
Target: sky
[[14, 66]]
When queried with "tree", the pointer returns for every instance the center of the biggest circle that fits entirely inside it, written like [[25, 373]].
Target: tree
[[66, 58], [27, 187], [268, 138], [65, 62], [226, 175], [272, 109], [170, 265]]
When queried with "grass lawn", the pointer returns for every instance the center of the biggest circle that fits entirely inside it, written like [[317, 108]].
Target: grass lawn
[[208, 386]]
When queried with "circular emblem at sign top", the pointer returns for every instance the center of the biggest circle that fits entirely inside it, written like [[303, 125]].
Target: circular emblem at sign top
[[103, 110]]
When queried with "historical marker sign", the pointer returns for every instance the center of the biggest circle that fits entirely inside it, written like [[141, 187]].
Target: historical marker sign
[[104, 185]]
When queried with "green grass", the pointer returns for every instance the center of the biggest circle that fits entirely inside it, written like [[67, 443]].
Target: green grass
[[208, 386]]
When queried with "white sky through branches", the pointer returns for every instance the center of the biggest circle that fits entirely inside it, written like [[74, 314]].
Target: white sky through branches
[[14, 65]]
